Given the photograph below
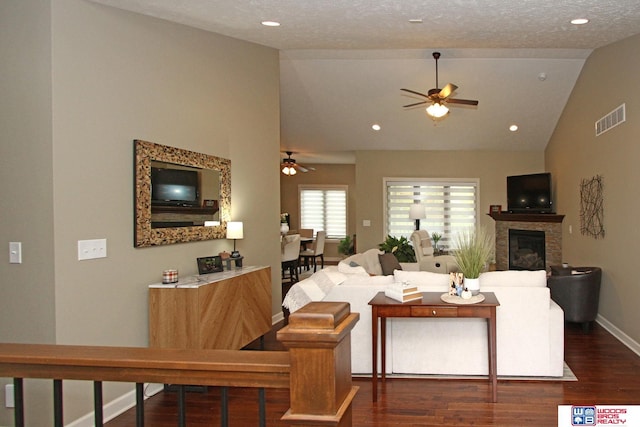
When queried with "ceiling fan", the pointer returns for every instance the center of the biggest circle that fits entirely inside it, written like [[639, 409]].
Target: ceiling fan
[[439, 97], [290, 167]]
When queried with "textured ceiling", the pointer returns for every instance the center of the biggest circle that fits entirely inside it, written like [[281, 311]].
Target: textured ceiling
[[343, 64], [384, 24]]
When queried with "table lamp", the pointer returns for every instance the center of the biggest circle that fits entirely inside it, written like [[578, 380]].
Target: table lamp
[[416, 211], [234, 231]]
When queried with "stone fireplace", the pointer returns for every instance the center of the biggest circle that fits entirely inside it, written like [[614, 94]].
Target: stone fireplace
[[526, 250], [528, 241]]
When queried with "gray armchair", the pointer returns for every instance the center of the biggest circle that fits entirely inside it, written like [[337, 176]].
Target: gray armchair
[[577, 294]]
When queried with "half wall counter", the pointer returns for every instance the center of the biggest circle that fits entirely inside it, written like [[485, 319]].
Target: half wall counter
[[225, 310]]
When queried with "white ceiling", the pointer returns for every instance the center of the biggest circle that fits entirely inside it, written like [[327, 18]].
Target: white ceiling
[[343, 63]]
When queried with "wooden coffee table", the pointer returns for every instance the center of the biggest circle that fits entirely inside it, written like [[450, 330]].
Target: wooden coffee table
[[430, 306]]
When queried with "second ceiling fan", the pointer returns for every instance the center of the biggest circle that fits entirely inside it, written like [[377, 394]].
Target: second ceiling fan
[[290, 167], [439, 97]]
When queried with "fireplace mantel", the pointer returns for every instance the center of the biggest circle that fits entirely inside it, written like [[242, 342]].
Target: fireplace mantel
[[525, 217]]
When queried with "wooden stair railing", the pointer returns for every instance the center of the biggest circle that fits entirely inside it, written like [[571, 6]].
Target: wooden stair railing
[[314, 333]]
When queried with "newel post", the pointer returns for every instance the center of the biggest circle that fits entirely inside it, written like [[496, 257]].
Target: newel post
[[318, 337]]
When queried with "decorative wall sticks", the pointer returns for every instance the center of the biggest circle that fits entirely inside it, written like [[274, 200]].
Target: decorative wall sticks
[[591, 207]]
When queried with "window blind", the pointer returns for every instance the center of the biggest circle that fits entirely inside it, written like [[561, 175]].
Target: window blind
[[450, 206], [324, 208]]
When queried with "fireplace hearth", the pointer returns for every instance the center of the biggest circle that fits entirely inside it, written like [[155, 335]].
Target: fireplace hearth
[[526, 250]]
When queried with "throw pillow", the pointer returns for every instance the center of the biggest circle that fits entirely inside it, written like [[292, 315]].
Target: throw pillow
[[371, 263], [389, 263]]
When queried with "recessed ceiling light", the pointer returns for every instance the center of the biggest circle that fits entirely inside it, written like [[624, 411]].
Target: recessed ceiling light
[[270, 23], [376, 127], [513, 128], [579, 21], [415, 21]]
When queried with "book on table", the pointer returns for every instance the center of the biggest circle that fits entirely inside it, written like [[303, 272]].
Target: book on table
[[403, 288], [402, 297]]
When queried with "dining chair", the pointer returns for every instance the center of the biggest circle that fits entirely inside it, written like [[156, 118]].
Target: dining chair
[[290, 256], [316, 251]]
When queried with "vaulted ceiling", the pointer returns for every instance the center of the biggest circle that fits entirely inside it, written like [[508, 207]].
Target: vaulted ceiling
[[343, 64]]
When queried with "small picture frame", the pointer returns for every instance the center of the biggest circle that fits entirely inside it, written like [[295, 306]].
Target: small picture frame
[[209, 264], [495, 209]]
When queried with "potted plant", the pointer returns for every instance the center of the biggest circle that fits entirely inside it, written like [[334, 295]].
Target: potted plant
[[347, 245], [473, 252], [400, 247], [436, 237]]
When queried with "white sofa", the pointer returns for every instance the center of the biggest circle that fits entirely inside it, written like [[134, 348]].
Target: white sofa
[[530, 326]]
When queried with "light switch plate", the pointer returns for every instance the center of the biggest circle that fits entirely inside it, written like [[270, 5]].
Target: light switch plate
[[9, 401], [91, 249], [15, 252]]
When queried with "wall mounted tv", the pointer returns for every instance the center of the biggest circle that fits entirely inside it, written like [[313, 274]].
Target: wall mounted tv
[[529, 193], [174, 187]]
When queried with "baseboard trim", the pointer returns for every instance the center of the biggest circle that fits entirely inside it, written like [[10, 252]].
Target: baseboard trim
[[117, 406], [618, 334], [278, 317]]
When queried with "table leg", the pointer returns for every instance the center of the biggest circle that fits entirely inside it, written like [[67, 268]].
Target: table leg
[[383, 348], [374, 353], [493, 353]]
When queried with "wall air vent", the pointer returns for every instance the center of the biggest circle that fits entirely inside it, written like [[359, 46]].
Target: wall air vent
[[611, 120]]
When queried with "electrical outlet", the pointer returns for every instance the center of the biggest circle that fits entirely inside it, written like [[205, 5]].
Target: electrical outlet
[[91, 249]]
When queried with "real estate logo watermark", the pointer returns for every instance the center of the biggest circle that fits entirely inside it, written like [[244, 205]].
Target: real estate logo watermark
[[583, 415], [598, 415]]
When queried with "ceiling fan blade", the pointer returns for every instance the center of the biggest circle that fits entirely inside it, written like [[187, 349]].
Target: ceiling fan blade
[[415, 93], [301, 168], [447, 91], [462, 101], [415, 103]]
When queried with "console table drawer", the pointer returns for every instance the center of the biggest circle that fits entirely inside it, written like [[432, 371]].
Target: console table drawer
[[422, 311]]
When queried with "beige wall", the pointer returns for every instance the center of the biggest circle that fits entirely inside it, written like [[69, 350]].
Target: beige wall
[[490, 167], [608, 79], [27, 313], [325, 174], [85, 80]]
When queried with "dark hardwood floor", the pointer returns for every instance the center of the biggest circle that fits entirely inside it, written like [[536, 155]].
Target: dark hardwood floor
[[607, 371]]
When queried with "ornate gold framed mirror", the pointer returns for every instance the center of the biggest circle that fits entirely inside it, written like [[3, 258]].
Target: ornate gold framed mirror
[[180, 195]]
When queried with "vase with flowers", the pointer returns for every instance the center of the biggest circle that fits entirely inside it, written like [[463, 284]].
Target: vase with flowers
[[284, 223]]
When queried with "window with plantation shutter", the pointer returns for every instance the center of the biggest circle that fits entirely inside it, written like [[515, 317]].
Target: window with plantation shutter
[[451, 205], [324, 208]]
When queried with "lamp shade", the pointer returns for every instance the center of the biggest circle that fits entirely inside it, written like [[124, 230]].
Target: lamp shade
[[437, 110], [234, 230], [416, 211]]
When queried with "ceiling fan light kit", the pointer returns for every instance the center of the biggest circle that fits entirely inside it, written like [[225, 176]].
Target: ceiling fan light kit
[[439, 97], [290, 167], [437, 110], [289, 170]]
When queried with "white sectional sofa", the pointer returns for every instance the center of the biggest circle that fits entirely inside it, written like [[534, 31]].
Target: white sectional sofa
[[530, 326]]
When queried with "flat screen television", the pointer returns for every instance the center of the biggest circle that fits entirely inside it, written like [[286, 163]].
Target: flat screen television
[[529, 193], [174, 187]]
